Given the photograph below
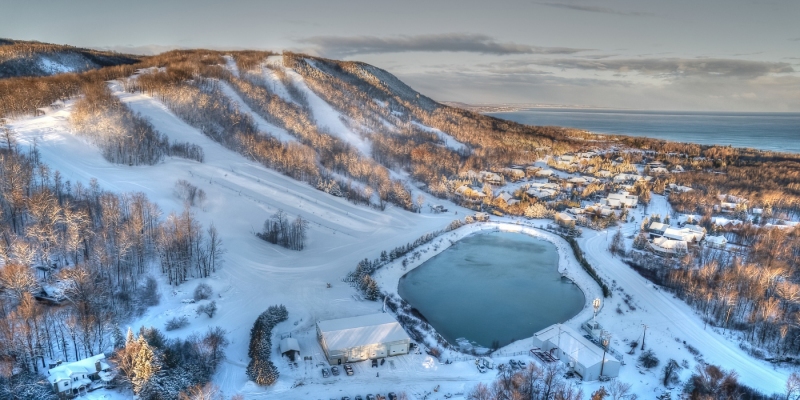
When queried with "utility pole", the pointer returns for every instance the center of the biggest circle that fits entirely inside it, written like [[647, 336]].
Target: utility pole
[[643, 335]]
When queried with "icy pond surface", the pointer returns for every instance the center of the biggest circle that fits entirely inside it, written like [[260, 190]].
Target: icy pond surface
[[492, 289]]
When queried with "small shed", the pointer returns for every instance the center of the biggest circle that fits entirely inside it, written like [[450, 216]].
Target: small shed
[[290, 348]]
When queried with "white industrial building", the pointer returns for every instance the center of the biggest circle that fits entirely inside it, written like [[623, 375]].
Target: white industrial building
[[580, 354], [361, 338]]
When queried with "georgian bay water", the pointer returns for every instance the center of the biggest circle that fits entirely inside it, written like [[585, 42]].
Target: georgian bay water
[[765, 131], [492, 288]]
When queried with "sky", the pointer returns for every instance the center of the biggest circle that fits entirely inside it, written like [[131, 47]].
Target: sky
[[704, 55]]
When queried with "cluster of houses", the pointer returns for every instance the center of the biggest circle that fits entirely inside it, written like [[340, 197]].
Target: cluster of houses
[[611, 204], [666, 240]]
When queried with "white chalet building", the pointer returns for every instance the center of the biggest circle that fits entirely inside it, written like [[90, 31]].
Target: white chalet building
[[68, 380]]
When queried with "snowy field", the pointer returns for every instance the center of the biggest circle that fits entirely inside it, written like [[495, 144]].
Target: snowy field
[[242, 194]]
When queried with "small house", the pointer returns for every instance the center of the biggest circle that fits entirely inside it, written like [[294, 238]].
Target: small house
[[665, 247], [657, 229], [564, 219], [289, 348], [717, 242]]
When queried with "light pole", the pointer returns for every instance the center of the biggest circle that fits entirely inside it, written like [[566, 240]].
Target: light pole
[[604, 339], [596, 305], [643, 335]]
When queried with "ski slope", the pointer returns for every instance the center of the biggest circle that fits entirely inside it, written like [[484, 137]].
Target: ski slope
[[241, 195]]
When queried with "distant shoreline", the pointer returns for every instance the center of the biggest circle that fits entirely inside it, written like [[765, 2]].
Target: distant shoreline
[[506, 108]]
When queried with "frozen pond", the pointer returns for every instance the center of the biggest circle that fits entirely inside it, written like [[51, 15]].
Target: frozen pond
[[492, 289]]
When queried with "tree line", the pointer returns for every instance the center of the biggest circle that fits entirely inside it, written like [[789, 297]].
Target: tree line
[[260, 369], [123, 137]]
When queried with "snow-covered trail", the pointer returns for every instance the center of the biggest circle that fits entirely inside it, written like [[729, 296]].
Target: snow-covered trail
[[327, 117], [266, 127], [668, 318]]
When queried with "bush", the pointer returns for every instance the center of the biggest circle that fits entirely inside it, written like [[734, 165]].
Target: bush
[[648, 359], [209, 309], [177, 323], [202, 292]]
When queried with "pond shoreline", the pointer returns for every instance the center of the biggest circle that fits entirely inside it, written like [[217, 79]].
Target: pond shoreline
[[389, 276]]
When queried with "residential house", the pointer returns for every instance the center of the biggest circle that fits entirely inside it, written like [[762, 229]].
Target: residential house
[[491, 178], [71, 379], [717, 242], [657, 229], [619, 200], [665, 246], [564, 219]]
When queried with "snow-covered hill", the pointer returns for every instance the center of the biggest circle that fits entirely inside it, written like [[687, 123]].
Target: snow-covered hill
[[243, 193], [18, 58]]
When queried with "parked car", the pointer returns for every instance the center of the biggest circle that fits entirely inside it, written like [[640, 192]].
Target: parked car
[[325, 372], [375, 363], [370, 397], [358, 397], [348, 369], [335, 370], [521, 364], [481, 368], [392, 396], [513, 363], [345, 397]]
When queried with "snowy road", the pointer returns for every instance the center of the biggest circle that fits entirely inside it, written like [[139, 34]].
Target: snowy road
[[668, 318]]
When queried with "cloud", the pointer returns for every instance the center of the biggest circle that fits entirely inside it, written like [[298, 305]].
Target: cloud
[[676, 67], [767, 93], [457, 42], [797, 39], [596, 9]]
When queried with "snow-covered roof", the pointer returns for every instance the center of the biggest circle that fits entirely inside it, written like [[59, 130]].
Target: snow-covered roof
[[684, 234], [717, 240], [564, 217], [86, 366], [658, 226], [289, 344], [666, 245], [505, 196], [574, 344], [345, 333]]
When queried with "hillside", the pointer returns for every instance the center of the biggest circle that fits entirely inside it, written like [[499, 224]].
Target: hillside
[[137, 182], [22, 58]]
